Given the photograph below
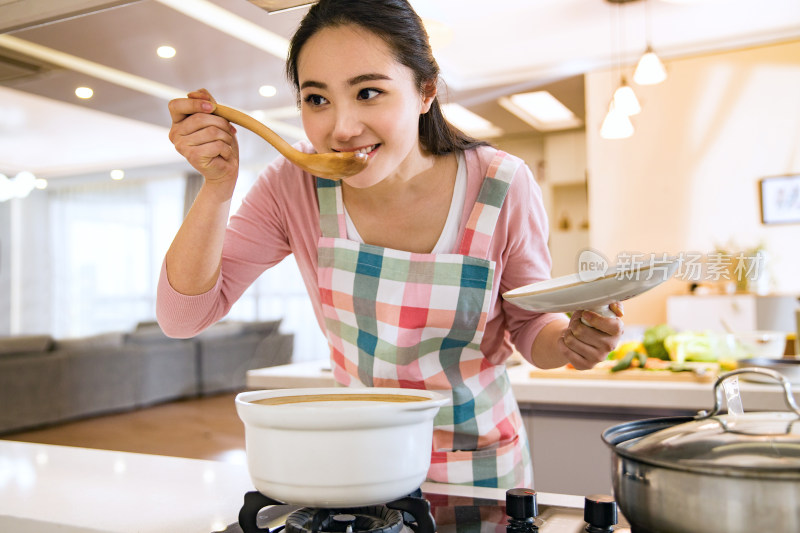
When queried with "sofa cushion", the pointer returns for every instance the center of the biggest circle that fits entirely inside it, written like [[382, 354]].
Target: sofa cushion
[[264, 327], [102, 340], [222, 329], [25, 344], [147, 334]]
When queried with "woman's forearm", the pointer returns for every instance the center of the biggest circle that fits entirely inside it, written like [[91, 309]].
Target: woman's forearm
[[545, 352], [194, 257]]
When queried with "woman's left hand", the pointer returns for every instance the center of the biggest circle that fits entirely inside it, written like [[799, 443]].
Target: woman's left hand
[[589, 337]]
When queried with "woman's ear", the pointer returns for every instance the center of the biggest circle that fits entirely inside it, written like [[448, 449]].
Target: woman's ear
[[428, 94]]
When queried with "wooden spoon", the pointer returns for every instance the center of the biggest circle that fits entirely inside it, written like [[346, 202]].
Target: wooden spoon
[[331, 165]]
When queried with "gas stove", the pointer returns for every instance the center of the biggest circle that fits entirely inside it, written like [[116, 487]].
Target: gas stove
[[429, 512]]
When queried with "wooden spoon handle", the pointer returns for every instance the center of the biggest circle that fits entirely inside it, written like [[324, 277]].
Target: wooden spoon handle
[[246, 121]]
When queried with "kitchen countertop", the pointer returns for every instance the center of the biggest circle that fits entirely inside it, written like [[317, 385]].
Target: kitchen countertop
[[564, 393], [45, 488]]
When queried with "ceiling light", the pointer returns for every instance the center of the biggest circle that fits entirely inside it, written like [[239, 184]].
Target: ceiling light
[[40, 183], [267, 91], [165, 51], [650, 69], [541, 110], [234, 25], [17, 187], [84, 92], [469, 122], [616, 125], [625, 99], [117, 174]]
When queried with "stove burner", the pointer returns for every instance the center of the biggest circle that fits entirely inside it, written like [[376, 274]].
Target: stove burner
[[413, 511], [375, 519]]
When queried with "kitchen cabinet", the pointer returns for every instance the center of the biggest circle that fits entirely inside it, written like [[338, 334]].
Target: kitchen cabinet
[[565, 197], [565, 157], [739, 312]]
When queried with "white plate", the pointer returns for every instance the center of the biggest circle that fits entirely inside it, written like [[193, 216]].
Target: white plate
[[573, 292]]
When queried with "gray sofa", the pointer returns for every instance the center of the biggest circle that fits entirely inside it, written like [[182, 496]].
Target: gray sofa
[[45, 381]]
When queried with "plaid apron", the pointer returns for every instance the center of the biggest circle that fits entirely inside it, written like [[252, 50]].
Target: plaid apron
[[402, 319]]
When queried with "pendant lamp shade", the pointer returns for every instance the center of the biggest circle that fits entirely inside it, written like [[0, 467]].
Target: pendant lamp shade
[[625, 100], [650, 69], [616, 125]]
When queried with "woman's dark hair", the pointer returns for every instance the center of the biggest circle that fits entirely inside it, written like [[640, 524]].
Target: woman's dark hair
[[396, 22]]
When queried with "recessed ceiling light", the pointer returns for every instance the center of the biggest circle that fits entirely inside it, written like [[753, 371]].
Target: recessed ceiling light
[[84, 92], [267, 91], [166, 52], [40, 183], [117, 174], [541, 110], [469, 122]]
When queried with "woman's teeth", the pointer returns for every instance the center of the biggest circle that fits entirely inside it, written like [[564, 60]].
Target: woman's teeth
[[365, 150]]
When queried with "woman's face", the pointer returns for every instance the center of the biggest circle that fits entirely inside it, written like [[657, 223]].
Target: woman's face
[[356, 97]]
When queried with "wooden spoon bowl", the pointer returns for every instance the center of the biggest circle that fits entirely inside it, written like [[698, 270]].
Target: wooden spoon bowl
[[331, 165]]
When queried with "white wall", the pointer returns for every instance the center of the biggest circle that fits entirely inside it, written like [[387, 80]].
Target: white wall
[[688, 178]]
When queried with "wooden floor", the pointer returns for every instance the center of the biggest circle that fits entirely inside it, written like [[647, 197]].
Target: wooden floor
[[204, 428]]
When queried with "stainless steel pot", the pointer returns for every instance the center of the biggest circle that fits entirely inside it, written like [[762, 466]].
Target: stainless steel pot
[[713, 472]]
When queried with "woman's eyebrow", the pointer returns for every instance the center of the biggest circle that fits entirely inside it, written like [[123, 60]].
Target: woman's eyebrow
[[352, 81], [367, 77]]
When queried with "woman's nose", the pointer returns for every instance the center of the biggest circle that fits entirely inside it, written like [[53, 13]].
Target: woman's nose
[[347, 125]]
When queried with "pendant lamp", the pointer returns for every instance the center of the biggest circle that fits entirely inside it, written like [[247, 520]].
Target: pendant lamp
[[616, 125], [650, 70], [625, 99]]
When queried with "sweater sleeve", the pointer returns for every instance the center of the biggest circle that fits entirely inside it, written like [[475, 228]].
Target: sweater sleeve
[[255, 239], [520, 251]]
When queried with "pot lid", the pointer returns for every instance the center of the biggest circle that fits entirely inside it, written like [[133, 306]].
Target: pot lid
[[749, 444], [751, 441]]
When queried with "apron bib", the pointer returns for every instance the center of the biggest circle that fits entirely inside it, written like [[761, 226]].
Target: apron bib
[[402, 319]]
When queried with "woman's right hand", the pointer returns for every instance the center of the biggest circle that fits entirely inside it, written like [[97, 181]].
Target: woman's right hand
[[208, 142]]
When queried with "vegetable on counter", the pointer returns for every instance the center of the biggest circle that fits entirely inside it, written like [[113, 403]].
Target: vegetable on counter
[[653, 341], [662, 348]]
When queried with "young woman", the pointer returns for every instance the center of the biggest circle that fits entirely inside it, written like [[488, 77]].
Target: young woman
[[405, 262]]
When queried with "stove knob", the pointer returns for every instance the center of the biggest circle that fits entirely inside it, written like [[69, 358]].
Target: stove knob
[[521, 504], [600, 513]]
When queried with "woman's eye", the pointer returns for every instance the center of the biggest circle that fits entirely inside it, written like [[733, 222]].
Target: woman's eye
[[315, 100], [366, 94]]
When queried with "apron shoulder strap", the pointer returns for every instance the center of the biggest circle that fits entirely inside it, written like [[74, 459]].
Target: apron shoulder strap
[[331, 209], [483, 218]]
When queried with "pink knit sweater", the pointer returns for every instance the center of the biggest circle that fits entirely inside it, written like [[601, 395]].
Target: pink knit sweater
[[280, 216]]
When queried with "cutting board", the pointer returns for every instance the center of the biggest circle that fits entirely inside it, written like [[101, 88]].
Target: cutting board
[[635, 374]]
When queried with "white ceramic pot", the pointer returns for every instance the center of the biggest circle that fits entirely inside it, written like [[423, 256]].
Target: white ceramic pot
[[338, 447]]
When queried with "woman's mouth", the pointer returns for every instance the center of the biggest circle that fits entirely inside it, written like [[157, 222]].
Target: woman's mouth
[[368, 150]]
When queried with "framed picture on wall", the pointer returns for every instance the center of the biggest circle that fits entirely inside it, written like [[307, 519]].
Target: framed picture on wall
[[780, 199]]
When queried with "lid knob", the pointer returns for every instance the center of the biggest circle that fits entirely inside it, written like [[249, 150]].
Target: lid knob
[[600, 513]]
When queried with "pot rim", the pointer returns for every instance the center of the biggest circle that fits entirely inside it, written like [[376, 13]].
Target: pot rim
[[344, 415]]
